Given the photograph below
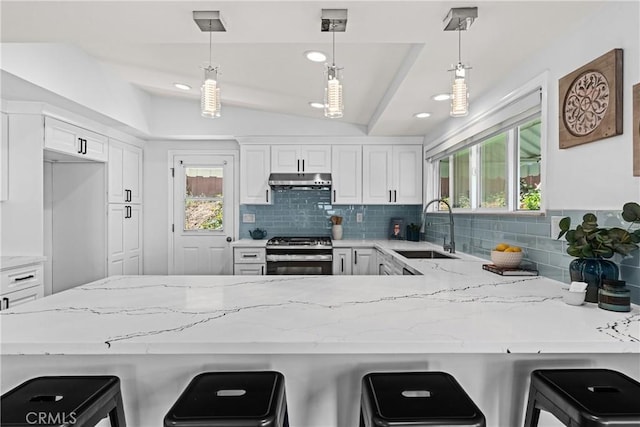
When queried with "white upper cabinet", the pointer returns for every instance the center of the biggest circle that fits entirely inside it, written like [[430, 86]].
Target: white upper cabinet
[[300, 158], [392, 175], [346, 174], [125, 173], [76, 141], [255, 166]]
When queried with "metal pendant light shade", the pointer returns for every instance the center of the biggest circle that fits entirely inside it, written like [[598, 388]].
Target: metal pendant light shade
[[459, 19], [210, 94], [209, 21], [333, 20]]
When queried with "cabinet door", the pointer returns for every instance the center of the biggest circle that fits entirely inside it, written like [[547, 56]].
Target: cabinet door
[[125, 173], [4, 158], [346, 174], [341, 261], [376, 175], [22, 296], [255, 166], [116, 239], [285, 158], [364, 262], [61, 136], [315, 159], [133, 240], [71, 139], [407, 174]]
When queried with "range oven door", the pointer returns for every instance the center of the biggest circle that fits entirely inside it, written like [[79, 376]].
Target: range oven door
[[303, 262]]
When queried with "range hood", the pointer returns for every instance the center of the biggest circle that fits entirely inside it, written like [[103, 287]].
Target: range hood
[[300, 181]]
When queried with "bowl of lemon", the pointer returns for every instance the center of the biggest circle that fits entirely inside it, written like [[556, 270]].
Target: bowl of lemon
[[506, 256]]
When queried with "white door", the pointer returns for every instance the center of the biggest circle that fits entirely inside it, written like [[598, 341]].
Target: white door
[[376, 175], [203, 214], [407, 174], [346, 173], [133, 240]]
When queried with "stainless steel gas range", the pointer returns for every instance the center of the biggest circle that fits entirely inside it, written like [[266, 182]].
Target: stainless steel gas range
[[299, 255]]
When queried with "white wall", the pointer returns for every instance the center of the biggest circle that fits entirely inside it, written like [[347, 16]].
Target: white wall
[[69, 72], [597, 175], [156, 196]]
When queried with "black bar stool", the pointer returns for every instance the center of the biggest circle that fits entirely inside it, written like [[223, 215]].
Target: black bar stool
[[416, 399], [81, 401], [238, 399], [584, 397]]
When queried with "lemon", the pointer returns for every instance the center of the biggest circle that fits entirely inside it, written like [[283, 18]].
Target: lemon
[[516, 249], [501, 247]]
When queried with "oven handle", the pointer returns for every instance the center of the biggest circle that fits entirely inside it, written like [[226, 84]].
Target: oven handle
[[310, 257]]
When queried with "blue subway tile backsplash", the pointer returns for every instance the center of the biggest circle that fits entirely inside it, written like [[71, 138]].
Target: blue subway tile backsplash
[[307, 213], [477, 234]]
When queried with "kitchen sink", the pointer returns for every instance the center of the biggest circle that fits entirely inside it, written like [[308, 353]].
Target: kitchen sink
[[425, 254]]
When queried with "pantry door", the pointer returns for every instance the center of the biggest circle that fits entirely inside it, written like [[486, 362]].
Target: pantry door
[[203, 214]]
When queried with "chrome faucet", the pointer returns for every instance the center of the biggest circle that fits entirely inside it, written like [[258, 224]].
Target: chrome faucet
[[451, 246]]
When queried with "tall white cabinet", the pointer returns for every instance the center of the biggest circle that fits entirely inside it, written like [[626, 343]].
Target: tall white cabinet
[[124, 213]]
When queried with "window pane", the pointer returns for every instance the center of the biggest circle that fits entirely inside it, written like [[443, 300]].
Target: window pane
[[529, 157], [444, 182], [203, 201], [461, 196], [204, 182], [493, 172]]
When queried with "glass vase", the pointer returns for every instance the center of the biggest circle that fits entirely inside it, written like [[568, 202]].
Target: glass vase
[[592, 271]]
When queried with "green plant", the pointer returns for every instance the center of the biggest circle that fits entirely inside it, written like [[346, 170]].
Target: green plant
[[590, 241], [413, 227]]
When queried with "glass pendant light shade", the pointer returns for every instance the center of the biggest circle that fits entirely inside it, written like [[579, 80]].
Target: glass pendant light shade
[[459, 92], [333, 107], [210, 96]]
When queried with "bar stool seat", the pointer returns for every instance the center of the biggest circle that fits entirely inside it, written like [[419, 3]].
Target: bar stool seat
[[238, 399], [62, 401], [584, 397], [416, 399]]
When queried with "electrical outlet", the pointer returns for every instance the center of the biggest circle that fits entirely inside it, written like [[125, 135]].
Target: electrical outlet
[[249, 218], [555, 226], [359, 217]]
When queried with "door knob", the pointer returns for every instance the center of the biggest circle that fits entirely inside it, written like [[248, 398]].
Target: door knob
[[229, 239]]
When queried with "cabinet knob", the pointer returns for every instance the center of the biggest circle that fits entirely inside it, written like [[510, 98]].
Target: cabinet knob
[[229, 239]]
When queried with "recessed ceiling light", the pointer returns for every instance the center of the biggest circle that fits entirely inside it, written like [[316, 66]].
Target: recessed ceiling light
[[315, 56], [441, 97], [316, 105], [182, 86], [422, 115]]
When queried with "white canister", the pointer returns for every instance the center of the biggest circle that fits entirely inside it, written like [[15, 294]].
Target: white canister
[[336, 232]]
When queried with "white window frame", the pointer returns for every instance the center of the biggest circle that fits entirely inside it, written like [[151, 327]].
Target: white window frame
[[466, 136]]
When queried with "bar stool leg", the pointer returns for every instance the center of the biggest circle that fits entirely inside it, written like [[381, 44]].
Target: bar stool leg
[[533, 412], [116, 415]]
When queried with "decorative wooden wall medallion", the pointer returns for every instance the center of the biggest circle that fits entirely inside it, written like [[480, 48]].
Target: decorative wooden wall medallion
[[590, 101], [636, 130]]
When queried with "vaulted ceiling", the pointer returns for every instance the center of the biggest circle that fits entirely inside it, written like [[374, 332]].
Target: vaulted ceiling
[[395, 54]]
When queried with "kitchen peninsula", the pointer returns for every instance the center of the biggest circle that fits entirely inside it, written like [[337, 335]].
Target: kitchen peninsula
[[322, 332]]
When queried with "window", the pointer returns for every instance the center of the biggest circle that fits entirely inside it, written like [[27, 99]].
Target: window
[[499, 170], [204, 200]]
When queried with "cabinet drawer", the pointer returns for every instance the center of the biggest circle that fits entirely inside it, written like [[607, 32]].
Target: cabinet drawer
[[248, 255], [14, 279], [22, 296]]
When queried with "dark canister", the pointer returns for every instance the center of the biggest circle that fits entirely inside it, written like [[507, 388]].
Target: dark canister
[[614, 295]]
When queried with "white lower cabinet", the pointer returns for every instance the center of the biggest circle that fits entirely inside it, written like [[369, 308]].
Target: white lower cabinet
[[342, 261], [249, 261], [20, 285], [125, 239], [354, 261]]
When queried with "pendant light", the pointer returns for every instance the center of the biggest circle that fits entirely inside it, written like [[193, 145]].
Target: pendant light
[[460, 19], [210, 90], [333, 20]]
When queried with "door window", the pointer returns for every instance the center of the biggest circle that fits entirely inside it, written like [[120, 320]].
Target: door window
[[204, 199]]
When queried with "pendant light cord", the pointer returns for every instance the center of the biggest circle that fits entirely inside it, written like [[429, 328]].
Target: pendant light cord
[[459, 41], [333, 30], [210, 31]]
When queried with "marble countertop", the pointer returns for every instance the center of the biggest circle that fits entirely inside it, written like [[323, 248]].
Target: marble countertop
[[19, 260], [456, 307]]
